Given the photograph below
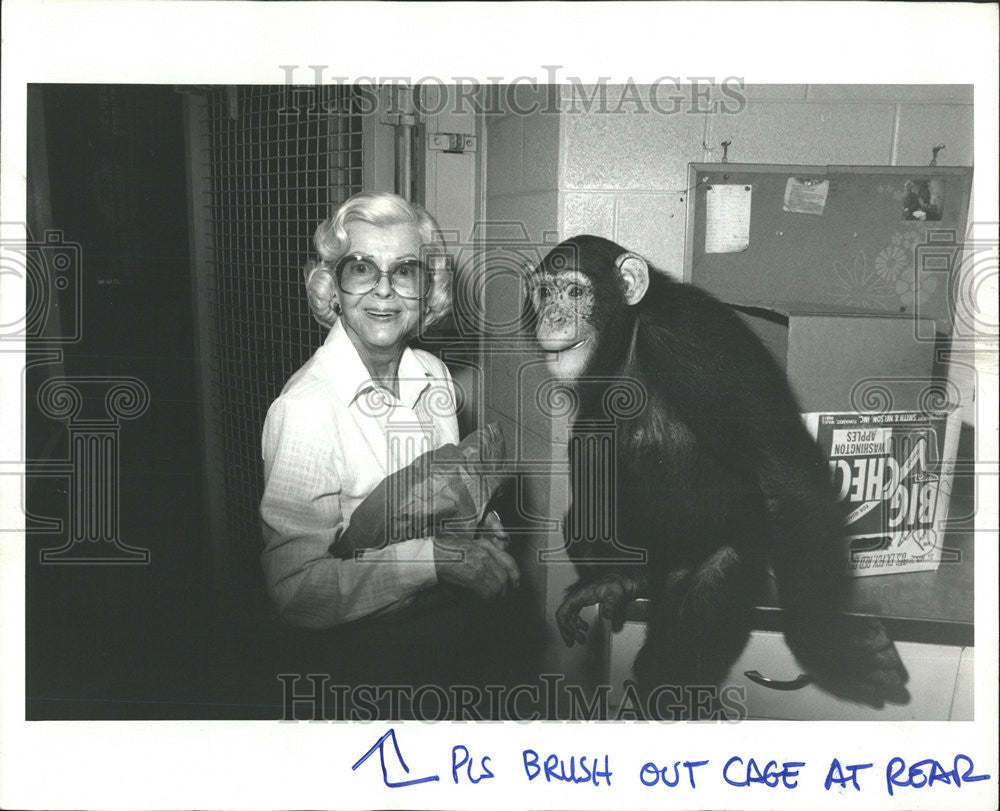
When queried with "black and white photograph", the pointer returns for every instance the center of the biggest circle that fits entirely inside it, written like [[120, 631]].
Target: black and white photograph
[[384, 412], [923, 200]]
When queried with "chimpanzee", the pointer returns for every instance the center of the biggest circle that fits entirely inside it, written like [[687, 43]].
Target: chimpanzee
[[714, 477]]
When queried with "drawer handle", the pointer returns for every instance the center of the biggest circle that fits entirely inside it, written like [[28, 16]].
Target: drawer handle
[[797, 683]]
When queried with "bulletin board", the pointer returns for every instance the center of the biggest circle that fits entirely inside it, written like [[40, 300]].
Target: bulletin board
[[863, 238]]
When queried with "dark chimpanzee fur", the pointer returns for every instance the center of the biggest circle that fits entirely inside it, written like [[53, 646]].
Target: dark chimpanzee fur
[[716, 477]]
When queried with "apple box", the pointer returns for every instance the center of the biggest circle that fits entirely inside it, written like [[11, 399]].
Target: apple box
[[893, 473]]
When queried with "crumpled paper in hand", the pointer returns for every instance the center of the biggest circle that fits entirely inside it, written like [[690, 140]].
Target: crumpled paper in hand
[[445, 491]]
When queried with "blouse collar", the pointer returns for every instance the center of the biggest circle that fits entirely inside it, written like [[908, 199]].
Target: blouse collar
[[350, 376]]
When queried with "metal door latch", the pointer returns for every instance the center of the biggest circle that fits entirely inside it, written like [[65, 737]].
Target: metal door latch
[[455, 142]]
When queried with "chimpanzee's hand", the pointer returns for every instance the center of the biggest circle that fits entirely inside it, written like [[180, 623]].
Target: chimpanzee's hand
[[611, 591], [480, 564]]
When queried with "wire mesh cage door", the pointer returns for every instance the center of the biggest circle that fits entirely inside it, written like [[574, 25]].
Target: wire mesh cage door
[[266, 165]]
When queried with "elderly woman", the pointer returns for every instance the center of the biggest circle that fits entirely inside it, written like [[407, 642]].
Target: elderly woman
[[362, 407]]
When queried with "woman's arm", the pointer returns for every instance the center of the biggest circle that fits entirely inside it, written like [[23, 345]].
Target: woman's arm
[[301, 517]]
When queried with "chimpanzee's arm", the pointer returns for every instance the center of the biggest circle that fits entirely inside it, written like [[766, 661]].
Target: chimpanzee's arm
[[612, 591]]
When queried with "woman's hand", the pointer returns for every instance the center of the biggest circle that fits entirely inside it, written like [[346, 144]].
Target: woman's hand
[[480, 563], [492, 528]]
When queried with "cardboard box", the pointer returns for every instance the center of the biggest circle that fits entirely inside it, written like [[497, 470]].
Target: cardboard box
[[893, 473], [846, 360]]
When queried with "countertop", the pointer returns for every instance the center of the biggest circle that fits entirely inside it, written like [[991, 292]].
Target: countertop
[[932, 606]]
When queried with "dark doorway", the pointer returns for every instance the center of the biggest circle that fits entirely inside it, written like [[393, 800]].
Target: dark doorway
[[121, 641]]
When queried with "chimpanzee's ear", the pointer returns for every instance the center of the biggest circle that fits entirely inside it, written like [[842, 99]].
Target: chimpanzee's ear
[[634, 273]]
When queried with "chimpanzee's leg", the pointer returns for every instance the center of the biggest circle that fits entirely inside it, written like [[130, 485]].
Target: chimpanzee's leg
[[698, 624]]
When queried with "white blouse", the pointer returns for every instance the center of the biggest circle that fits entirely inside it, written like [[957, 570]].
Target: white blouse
[[329, 439]]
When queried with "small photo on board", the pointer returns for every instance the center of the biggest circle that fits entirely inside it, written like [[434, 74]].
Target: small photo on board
[[923, 200]]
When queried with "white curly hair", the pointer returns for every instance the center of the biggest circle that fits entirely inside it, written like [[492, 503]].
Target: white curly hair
[[332, 242]]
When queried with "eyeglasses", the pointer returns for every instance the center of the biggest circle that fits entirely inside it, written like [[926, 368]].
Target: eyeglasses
[[358, 274]]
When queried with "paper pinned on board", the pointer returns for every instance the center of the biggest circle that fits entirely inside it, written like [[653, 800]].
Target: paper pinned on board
[[727, 221], [805, 196]]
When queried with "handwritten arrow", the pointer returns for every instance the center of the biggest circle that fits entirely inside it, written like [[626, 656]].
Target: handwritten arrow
[[380, 746]]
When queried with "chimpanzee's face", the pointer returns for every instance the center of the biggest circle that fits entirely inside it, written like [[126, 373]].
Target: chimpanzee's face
[[564, 304], [582, 294]]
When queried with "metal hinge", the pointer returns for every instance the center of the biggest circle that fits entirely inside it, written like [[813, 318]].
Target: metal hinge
[[396, 106], [455, 142]]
